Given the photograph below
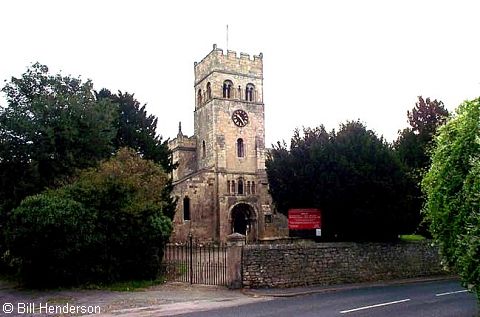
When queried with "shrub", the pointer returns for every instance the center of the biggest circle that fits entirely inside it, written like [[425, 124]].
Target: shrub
[[452, 188], [48, 237], [106, 226]]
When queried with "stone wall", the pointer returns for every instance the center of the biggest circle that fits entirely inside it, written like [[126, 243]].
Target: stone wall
[[199, 188], [334, 263]]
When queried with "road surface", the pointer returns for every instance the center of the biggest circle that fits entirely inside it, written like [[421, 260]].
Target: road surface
[[435, 299]]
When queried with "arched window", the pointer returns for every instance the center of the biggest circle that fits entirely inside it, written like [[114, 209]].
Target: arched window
[[247, 188], [199, 98], [228, 187], [227, 89], [209, 91], [240, 148], [240, 186], [253, 188], [249, 92], [186, 208], [233, 188], [204, 149]]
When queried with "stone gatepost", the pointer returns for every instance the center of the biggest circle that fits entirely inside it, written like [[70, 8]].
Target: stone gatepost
[[235, 243]]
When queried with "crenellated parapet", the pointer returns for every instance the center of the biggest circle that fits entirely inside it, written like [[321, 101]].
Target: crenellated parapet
[[183, 142], [229, 63], [229, 76]]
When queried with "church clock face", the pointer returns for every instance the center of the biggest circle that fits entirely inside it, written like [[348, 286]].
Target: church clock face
[[240, 118]]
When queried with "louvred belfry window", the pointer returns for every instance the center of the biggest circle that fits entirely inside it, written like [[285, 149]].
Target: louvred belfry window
[[227, 89]]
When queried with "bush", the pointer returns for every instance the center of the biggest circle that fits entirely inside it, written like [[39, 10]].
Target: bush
[[107, 226], [452, 188], [48, 236]]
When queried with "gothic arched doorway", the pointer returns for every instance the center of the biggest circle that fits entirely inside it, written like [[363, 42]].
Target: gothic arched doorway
[[244, 220]]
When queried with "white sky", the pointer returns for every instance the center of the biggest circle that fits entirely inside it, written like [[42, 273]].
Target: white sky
[[325, 62]]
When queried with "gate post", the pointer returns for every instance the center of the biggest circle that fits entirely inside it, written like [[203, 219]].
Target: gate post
[[190, 237], [235, 243]]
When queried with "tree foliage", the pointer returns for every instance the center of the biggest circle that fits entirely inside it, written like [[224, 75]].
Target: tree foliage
[[49, 236], [413, 148], [51, 127], [54, 126], [137, 130], [108, 225], [352, 175], [452, 188], [414, 143]]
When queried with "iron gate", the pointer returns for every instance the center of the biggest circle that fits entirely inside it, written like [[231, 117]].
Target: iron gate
[[196, 263]]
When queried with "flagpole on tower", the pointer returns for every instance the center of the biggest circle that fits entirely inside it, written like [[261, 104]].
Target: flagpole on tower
[[227, 37]]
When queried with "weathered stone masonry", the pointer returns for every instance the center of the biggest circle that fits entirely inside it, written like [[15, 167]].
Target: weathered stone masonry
[[221, 181], [334, 263]]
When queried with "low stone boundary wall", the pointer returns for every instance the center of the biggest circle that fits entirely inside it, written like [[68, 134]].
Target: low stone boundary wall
[[293, 265]]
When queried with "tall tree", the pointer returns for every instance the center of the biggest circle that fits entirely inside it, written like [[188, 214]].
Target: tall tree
[[452, 188], [51, 127], [352, 175], [413, 148], [137, 130], [414, 143]]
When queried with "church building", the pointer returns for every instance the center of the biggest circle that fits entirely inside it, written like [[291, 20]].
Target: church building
[[221, 182]]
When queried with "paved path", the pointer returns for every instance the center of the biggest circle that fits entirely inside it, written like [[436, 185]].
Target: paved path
[[166, 297]]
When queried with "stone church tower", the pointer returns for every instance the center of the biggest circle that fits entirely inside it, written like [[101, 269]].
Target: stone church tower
[[221, 183]]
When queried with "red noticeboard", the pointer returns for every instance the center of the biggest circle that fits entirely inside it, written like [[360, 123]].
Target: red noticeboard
[[304, 219]]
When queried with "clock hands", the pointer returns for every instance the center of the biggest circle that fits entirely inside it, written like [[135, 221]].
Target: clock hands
[[240, 118]]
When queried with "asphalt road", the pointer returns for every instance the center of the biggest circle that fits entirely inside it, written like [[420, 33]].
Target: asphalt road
[[435, 299]]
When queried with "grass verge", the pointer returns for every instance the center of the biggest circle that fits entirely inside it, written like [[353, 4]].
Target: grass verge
[[411, 237], [127, 286]]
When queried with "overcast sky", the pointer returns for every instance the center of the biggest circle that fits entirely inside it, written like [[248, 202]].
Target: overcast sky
[[325, 62]]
